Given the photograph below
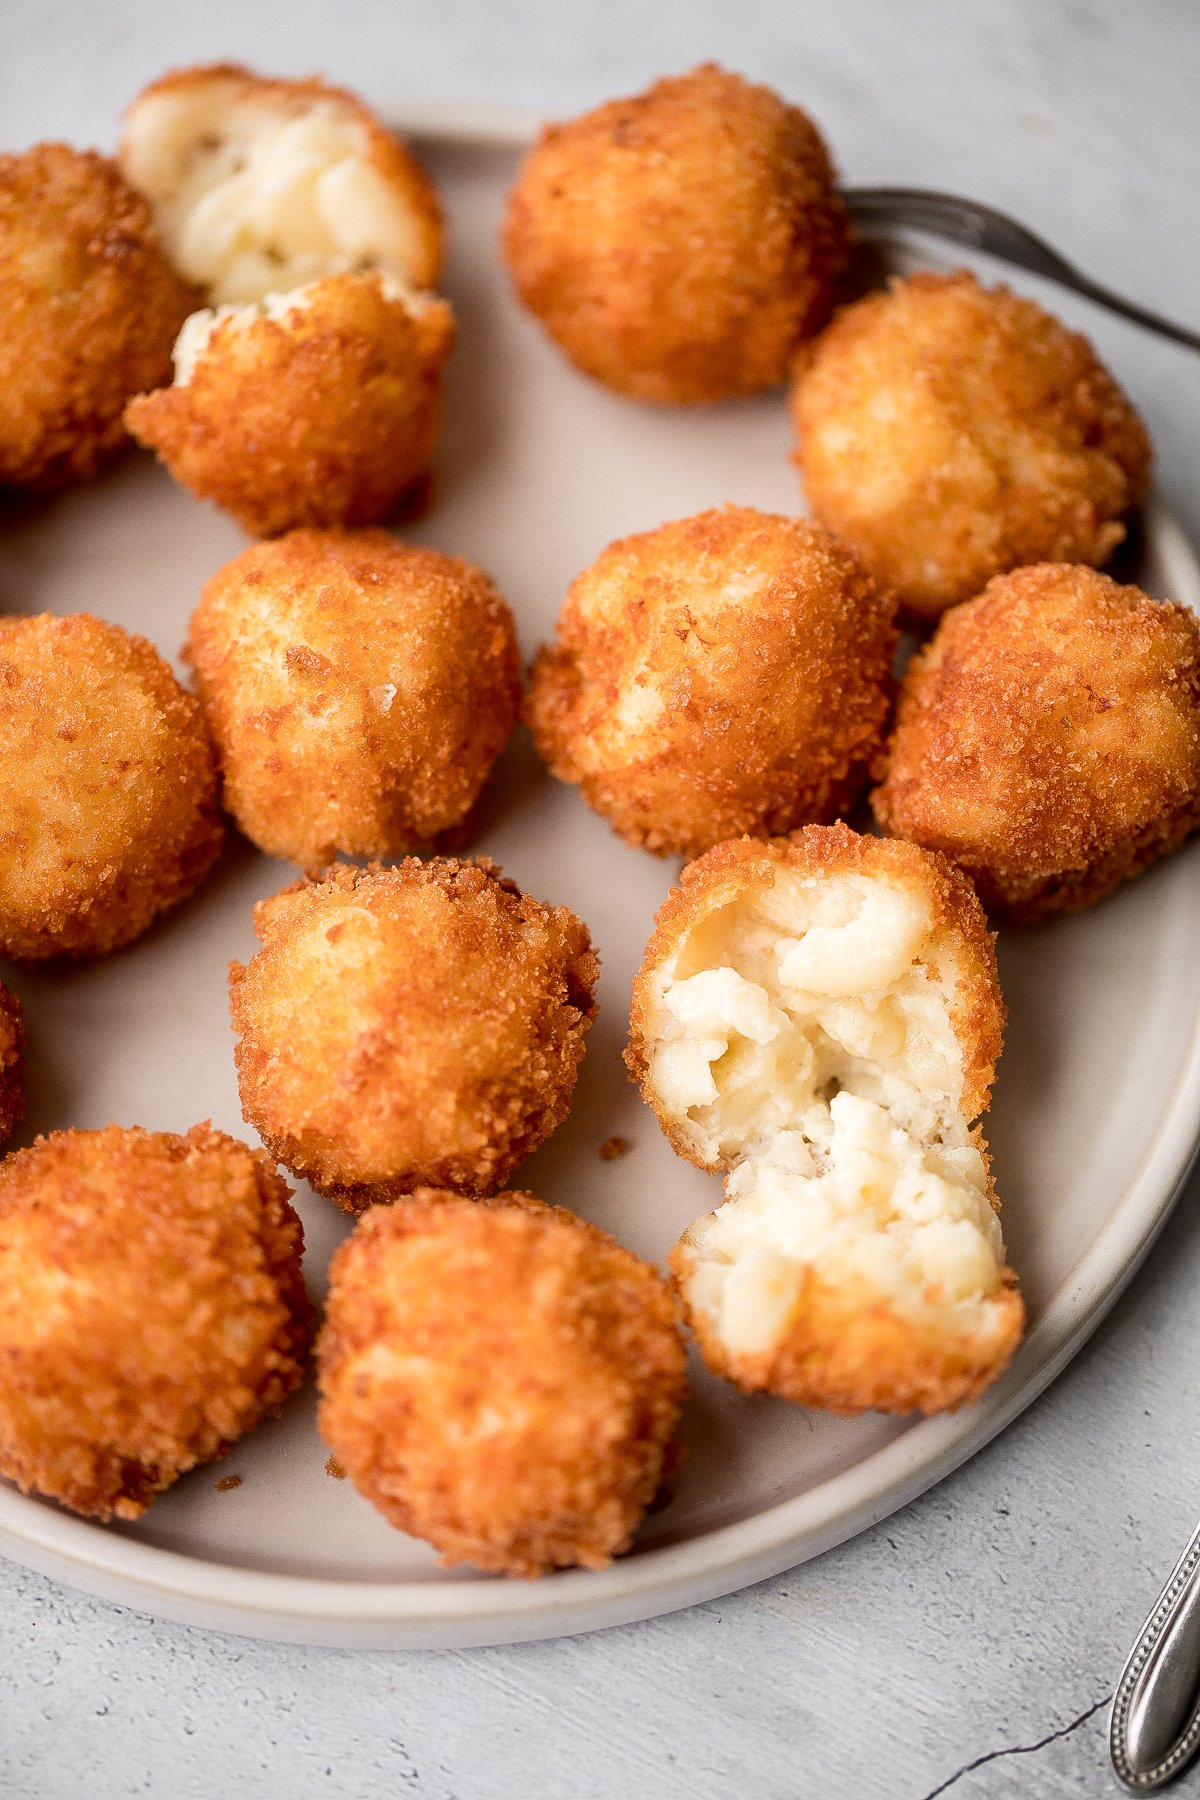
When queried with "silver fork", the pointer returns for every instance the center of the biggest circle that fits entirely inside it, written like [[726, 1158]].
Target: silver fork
[[983, 228]]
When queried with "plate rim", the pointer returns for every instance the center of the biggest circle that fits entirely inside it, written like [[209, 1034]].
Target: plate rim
[[415, 1615]]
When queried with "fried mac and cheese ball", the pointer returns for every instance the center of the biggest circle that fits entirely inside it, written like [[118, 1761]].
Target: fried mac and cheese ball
[[819, 1021], [358, 691], [726, 673], [315, 407], [500, 1378], [108, 813], [152, 1310], [422, 1024], [1048, 739], [89, 309], [311, 394], [949, 432], [12, 1063], [679, 245]]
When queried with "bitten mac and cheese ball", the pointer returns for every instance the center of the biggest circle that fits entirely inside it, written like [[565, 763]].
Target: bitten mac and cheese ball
[[152, 1310], [678, 245], [407, 1026], [358, 691], [819, 1021], [89, 310], [309, 392], [1048, 739], [723, 674], [500, 1378], [949, 432], [108, 814]]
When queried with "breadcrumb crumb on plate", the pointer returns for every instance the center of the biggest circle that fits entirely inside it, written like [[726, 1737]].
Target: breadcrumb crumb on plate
[[1090, 1131]]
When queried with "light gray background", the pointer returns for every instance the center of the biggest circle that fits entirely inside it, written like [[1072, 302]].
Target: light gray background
[[968, 1643]]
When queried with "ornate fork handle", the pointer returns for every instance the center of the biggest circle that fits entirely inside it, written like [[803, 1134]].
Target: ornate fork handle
[[983, 228], [1155, 1727]]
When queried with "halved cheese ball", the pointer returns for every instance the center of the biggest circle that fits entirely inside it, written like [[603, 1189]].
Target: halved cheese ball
[[358, 691], [725, 673], [501, 1378], [819, 1020], [261, 185], [315, 407]]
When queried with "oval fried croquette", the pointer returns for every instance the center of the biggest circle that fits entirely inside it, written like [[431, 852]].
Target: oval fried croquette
[[315, 407], [358, 691], [89, 310], [422, 1024], [152, 1310], [949, 432], [1048, 739], [678, 245], [819, 1019], [500, 1378], [726, 673], [109, 816]]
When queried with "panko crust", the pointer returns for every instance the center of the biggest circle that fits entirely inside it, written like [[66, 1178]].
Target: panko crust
[[846, 1351], [949, 432], [89, 310], [501, 1378], [958, 930], [416, 1025], [110, 817], [1048, 739], [679, 244], [725, 673], [358, 691], [12, 1063], [152, 1310], [388, 154], [327, 415]]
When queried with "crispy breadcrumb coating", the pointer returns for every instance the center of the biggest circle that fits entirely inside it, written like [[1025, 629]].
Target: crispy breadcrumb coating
[[678, 245], [409, 1025], [820, 1019], [1048, 739], [949, 432], [319, 407], [358, 691], [108, 817], [89, 310], [259, 185], [726, 673], [152, 1310], [500, 1378], [12, 1063]]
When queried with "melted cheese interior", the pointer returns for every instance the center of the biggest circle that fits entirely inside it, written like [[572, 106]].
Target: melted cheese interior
[[252, 198], [801, 1038]]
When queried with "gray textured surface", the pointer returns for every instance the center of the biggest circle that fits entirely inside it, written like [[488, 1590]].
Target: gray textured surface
[[992, 1615]]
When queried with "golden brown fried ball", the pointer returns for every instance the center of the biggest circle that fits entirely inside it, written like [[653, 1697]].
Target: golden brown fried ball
[[820, 1019], [358, 691], [679, 245], [89, 309], [726, 673], [152, 1310], [315, 407], [1048, 739], [12, 1063], [417, 1024], [108, 812], [500, 1378], [950, 432]]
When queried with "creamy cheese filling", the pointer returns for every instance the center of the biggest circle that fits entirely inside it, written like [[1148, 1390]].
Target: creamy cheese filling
[[803, 1036], [252, 198]]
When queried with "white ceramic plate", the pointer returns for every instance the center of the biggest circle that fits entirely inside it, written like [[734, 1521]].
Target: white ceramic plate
[[1093, 1127]]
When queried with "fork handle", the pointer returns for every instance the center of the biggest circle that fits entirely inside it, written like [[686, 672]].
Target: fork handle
[[1155, 1727]]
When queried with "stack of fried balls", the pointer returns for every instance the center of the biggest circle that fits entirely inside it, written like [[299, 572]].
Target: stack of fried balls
[[248, 290]]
